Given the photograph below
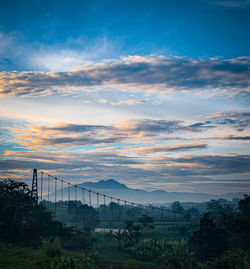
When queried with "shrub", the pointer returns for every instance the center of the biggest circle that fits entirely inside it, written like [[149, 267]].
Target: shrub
[[80, 240], [88, 261], [63, 262], [130, 264], [51, 248], [150, 250], [233, 259], [179, 257]]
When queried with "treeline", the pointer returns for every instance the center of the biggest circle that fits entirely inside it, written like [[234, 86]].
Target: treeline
[[73, 211]]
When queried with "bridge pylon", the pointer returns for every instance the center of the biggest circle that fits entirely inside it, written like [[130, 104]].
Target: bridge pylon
[[34, 188]]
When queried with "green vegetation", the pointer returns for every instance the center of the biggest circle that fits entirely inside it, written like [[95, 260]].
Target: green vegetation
[[30, 238]]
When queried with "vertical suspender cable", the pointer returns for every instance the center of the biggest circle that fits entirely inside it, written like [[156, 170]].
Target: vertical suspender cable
[[55, 194], [48, 189], [62, 199], [41, 187], [90, 204], [89, 197], [125, 211], [97, 201], [76, 200], [104, 201], [69, 200], [83, 202], [133, 213], [111, 204], [119, 213]]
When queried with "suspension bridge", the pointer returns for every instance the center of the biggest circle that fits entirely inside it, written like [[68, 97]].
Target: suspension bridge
[[69, 202]]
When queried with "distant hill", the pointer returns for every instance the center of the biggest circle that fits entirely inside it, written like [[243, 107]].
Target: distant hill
[[109, 184], [113, 188]]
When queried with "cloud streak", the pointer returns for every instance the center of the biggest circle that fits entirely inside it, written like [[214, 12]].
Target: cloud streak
[[71, 135], [183, 147], [135, 73], [240, 120]]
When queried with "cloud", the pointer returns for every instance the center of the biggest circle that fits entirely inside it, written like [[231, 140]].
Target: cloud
[[238, 3], [11, 51], [151, 127], [74, 52], [71, 135], [183, 147], [135, 73], [16, 53], [128, 102], [237, 119], [167, 173], [215, 164], [233, 137], [68, 128]]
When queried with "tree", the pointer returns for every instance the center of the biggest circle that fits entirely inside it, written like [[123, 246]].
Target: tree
[[146, 221], [177, 207], [244, 205], [222, 229], [21, 219], [210, 240]]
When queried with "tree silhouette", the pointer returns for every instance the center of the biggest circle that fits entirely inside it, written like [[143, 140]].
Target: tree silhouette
[[21, 219]]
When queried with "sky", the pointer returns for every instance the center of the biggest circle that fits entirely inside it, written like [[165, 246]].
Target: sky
[[154, 94]]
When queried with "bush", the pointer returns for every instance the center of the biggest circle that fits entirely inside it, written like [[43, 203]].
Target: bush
[[51, 248], [88, 261], [130, 264], [12, 257], [233, 259], [150, 250], [63, 262], [80, 240], [179, 257]]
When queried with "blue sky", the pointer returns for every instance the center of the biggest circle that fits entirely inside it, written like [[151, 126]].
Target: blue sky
[[152, 93], [195, 28]]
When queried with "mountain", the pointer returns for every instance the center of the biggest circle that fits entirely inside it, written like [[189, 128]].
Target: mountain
[[109, 184], [113, 188]]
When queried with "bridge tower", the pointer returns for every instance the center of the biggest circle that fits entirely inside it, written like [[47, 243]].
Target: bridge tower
[[34, 189]]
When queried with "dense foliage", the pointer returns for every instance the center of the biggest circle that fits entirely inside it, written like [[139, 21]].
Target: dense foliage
[[22, 219], [222, 228]]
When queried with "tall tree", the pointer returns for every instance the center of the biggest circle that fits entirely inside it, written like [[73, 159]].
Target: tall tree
[[21, 219]]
